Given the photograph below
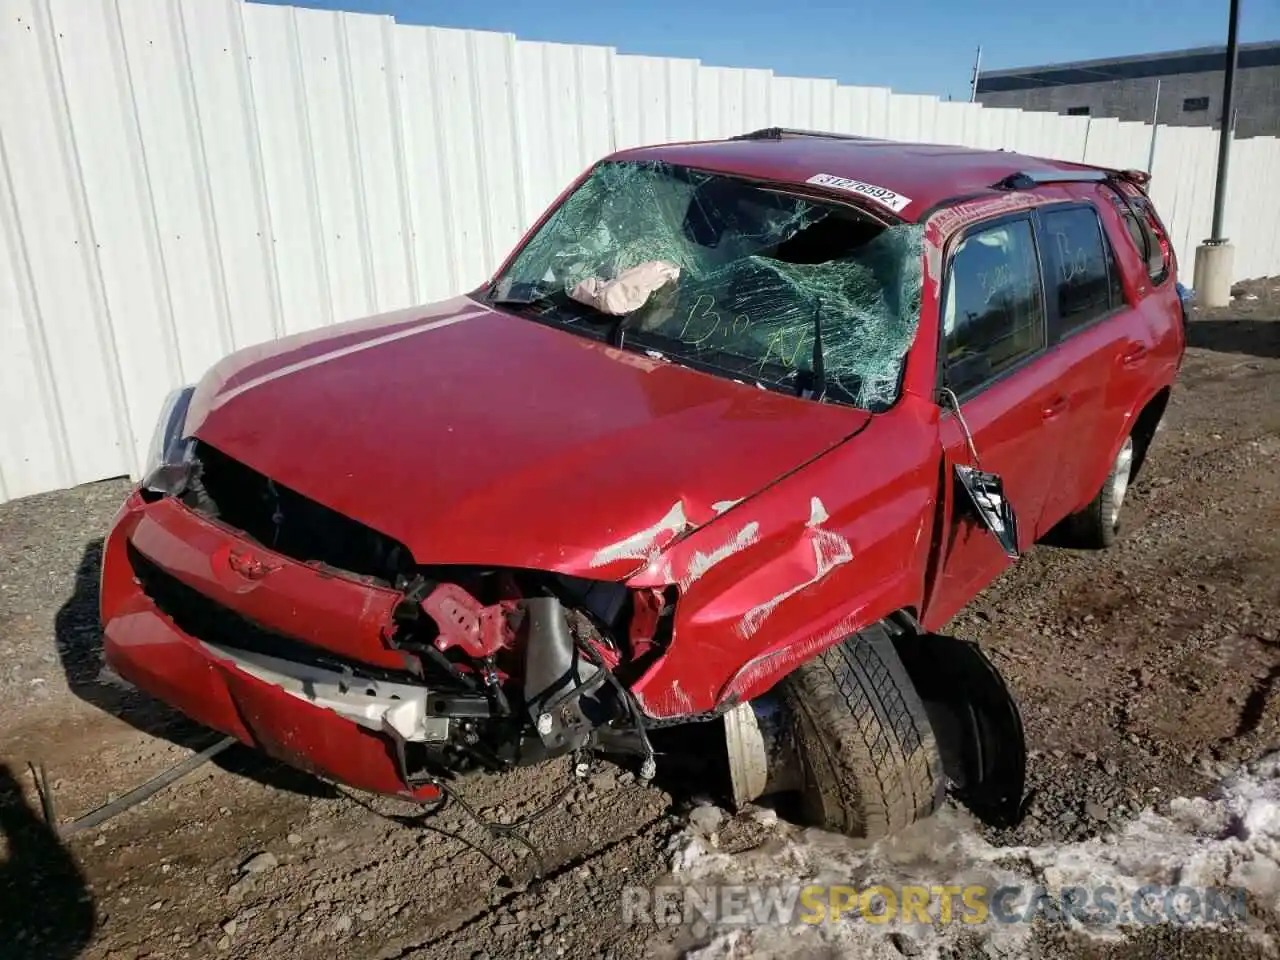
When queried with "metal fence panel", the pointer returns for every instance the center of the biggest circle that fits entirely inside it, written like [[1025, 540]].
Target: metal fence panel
[[180, 178]]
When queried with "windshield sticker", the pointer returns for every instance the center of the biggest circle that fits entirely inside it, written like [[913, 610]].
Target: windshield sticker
[[882, 195]]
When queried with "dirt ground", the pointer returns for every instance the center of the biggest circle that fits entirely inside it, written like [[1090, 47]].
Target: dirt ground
[[1143, 673]]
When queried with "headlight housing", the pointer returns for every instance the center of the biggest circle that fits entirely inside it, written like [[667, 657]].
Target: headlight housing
[[169, 456]]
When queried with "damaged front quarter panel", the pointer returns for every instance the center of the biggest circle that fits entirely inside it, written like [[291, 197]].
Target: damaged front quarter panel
[[794, 569]]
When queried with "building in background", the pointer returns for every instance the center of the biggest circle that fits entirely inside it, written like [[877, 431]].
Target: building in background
[[1190, 84]]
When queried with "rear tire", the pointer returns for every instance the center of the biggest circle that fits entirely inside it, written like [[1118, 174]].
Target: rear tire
[[870, 761], [1097, 525]]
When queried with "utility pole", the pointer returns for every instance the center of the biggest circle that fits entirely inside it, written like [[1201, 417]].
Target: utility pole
[[973, 81], [1227, 127], [1214, 257]]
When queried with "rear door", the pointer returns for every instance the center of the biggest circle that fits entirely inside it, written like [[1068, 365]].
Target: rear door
[[993, 360], [1143, 249], [1093, 339]]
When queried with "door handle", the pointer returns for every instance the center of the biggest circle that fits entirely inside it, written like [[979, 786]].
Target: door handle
[[1054, 407], [1134, 355]]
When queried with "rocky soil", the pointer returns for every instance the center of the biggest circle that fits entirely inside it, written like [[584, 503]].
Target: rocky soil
[[1143, 673]]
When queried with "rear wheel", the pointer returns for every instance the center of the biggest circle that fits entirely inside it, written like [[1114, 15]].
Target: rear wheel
[[1098, 524], [871, 766]]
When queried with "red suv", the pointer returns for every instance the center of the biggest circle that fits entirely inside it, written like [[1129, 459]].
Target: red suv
[[733, 432]]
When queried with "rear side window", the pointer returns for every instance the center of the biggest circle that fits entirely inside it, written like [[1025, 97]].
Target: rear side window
[[1080, 275], [1147, 236], [993, 315]]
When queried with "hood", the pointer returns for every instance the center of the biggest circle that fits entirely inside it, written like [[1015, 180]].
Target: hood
[[473, 436]]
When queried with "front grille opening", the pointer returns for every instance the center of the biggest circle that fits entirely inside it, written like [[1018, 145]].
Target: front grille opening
[[289, 523], [205, 619]]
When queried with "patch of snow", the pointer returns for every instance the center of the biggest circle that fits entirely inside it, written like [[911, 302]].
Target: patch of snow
[[1229, 839]]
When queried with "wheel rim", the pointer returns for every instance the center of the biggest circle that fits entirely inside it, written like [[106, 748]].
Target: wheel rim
[[1120, 479]]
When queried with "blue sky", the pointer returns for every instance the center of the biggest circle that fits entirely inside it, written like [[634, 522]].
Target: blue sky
[[916, 46]]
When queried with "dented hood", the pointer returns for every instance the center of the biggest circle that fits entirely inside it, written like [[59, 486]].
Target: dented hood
[[476, 437]]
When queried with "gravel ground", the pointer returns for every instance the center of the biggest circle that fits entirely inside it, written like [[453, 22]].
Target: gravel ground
[[1143, 673]]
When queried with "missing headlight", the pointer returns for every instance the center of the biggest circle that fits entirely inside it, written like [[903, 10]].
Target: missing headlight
[[170, 457]]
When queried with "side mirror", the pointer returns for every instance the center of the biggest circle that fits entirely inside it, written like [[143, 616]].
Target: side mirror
[[984, 497], [986, 502]]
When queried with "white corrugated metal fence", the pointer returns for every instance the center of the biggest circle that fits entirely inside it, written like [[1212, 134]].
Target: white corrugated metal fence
[[180, 178]]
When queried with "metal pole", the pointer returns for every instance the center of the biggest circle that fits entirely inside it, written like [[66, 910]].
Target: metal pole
[[1224, 138], [1155, 125], [973, 82]]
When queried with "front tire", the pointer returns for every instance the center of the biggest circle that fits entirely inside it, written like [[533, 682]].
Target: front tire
[[870, 761], [1097, 525]]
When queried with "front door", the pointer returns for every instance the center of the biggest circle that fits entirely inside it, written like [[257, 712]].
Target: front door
[[994, 366]]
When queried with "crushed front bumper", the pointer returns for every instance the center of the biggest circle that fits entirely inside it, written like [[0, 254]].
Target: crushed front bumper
[[325, 721]]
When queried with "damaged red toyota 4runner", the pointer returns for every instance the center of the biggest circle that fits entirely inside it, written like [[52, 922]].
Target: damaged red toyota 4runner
[[728, 439]]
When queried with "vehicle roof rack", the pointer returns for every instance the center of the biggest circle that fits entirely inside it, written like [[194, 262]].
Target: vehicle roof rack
[[777, 133], [1025, 180]]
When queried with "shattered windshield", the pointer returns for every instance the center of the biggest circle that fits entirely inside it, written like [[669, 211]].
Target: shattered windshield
[[749, 281]]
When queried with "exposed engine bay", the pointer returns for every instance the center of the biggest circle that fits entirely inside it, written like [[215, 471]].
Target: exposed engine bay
[[501, 667]]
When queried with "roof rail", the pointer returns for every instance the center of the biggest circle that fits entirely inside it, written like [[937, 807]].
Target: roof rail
[[777, 133], [1026, 180]]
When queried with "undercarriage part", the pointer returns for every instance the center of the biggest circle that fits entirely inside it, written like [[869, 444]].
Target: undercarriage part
[[870, 761], [761, 749], [644, 622], [467, 623], [560, 686], [398, 708], [603, 599], [975, 720], [491, 668]]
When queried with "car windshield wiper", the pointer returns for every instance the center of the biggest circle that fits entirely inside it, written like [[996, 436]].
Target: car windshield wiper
[[543, 299], [558, 308], [537, 298]]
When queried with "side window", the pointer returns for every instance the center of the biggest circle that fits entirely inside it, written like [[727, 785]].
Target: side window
[[1147, 235], [993, 315], [1079, 275]]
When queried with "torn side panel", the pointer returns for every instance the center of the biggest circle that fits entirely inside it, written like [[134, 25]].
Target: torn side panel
[[825, 559], [830, 550]]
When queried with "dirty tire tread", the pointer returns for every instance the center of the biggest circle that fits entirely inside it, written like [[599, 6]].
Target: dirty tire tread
[[871, 763]]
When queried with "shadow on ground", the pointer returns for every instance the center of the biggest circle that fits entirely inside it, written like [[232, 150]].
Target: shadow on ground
[[46, 909], [1258, 338], [79, 641]]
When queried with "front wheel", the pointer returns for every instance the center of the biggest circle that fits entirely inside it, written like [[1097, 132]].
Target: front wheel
[[1098, 524], [871, 766]]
